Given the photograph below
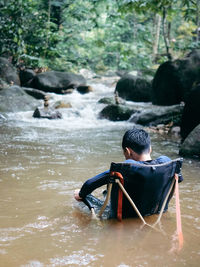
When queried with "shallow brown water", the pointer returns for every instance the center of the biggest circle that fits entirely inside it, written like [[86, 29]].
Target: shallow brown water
[[42, 225]]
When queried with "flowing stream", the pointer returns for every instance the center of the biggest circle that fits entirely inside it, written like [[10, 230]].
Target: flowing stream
[[43, 161]]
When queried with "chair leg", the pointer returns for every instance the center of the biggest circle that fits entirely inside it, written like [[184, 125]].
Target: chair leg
[[164, 203], [178, 215], [133, 204], [106, 200], [94, 216]]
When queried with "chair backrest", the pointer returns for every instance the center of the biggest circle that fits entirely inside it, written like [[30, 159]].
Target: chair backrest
[[147, 185]]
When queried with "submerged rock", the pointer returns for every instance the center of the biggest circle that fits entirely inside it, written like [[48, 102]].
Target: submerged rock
[[107, 100], [84, 89], [111, 101], [62, 104], [68, 91], [158, 115], [47, 113], [116, 112], [191, 145]]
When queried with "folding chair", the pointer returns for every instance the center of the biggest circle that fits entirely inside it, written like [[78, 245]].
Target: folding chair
[[140, 189]]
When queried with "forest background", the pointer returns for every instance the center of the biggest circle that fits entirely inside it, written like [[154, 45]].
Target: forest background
[[100, 35]]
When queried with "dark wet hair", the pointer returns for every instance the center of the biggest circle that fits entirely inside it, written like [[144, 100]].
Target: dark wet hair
[[138, 140]]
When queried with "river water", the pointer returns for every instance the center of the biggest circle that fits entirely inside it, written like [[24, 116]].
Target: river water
[[42, 162]]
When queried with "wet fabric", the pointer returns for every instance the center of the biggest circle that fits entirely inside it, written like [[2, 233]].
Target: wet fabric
[[101, 179], [97, 205], [146, 184]]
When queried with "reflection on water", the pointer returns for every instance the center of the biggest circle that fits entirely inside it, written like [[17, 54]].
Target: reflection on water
[[41, 224]]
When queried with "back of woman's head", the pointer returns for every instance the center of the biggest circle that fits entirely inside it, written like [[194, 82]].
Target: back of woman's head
[[138, 140]]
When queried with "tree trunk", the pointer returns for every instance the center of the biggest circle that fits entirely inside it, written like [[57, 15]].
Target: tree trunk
[[48, 23], [166, 34], [156, 34], [198, 20]]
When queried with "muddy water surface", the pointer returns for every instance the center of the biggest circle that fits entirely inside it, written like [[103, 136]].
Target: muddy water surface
[[41, 224]]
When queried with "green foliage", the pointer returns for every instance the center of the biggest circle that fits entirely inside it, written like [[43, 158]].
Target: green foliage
[[72, 34], [25, 30]]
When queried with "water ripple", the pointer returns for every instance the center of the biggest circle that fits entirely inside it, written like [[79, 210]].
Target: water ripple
[[78, 258]]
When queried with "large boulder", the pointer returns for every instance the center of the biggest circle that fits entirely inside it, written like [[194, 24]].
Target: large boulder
[[57, 82], [191, 112], [8, 73], [174, 79], [134, 88], [26, 77], [116, 113], [191, 145], [158, 115], [15, 99]]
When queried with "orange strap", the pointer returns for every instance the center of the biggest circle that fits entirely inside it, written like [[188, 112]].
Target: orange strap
[[120, 194], [178, 215]]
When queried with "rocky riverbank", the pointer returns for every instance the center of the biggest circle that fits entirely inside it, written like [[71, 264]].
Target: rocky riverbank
[[23, 90]]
